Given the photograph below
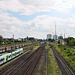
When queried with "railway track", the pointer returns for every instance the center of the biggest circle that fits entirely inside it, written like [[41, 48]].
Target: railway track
[[25, 64], [65, 69], [32, 64], [13, 64]]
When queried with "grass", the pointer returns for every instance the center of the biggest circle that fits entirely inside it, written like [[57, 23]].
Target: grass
[[53, 70], [35, 47], [51, 63], [68, 54], [14, 44]]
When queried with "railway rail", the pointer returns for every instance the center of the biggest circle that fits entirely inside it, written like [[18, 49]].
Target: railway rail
[[25, 64], [65, 69], [13, 64]]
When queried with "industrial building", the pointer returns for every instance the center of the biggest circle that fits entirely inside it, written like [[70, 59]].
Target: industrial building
[[55, 37], [49, 36]]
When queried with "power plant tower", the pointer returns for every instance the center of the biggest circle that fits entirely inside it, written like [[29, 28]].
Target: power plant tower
[[55, 36], [49, 36]]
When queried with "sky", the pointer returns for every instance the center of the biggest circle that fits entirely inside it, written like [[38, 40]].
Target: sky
[[37, 18]]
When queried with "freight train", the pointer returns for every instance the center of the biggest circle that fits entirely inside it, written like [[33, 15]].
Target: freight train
[[12, 48]]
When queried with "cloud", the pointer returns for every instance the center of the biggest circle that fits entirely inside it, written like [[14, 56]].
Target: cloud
[[12, 25], [47, 25], [38, 27], [41, 25], [29, 7]]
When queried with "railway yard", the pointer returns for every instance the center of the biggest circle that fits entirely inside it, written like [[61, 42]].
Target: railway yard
[[37, 37], [37, 60]]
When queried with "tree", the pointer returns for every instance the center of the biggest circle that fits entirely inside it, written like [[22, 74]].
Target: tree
[[40, 40], [51, 40], [1, 39], [70, 41], [60, 37], [31, 38]]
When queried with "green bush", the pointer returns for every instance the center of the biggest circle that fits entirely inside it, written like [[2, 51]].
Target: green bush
[[68, 54]]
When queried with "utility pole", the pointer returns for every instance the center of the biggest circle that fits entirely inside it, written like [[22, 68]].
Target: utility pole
[[64, 39], [55, 33], [61, 34], [55, 28], [13, 39], [64, 35], [13, 43], [61, 38]]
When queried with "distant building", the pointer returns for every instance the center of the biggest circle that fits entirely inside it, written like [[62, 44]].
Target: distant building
[[55, 37], [63, 42], [49, 36], [20, 39], [7, 39], [60, 38]]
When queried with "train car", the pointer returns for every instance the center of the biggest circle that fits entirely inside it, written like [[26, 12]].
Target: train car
[[2, 59], [13, 54], [16, 46], [5, 57], [21, 50], [17, 52], [20, 46], [8, 56], [2, 49], [23, 45], [13, 48], [8, 48]]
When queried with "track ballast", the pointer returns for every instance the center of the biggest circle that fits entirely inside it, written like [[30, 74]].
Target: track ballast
[[65, 69]]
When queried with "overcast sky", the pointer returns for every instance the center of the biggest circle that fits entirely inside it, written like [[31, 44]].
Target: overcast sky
[[36, 18]]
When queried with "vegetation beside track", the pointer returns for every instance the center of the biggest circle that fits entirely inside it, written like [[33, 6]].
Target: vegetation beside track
[[49, 66], [51, 63], [68, 54], [35, 47], [12, 44]]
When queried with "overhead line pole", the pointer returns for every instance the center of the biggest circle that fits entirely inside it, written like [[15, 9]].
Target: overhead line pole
[[55, 28], [55, 33], [64, 35], [13, 42], [13, 39]]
